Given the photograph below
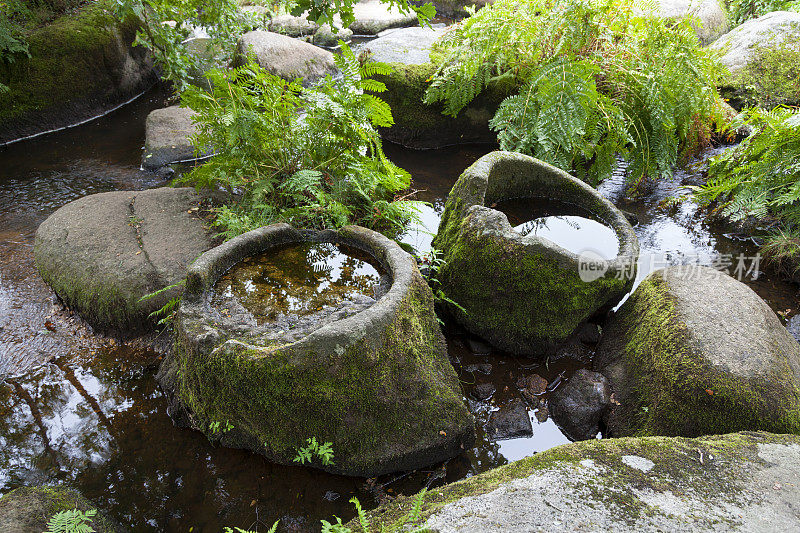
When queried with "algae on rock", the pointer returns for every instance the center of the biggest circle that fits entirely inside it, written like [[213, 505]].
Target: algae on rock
[[377, 385], [695, 352]]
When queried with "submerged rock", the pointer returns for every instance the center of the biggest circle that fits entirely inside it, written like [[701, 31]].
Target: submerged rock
[[744, 482], [511, 421], [167, 133], [695, 352], [579, 405], [532, 388], [285, 57], [762, 57], [28, 509], [102, 253], [378, 385], [523, 293], [483, 390]]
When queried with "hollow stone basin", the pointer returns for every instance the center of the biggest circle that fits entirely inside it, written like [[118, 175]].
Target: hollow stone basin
[[524, 293], [378, 385]]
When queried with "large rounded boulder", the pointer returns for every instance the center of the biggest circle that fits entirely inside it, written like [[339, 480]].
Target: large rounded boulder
[[167, 134], [377, 384], [285, 57], [525, 294], [695, 352], [762, 57], [102, 253]]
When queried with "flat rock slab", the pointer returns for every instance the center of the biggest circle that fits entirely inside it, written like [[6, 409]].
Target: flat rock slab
[[409, 46], [103, 252], [768, 30], [286, 57], [743, 482], [167, 133], [374, 16]]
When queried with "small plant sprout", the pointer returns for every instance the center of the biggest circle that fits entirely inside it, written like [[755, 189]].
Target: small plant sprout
[[313, 449]]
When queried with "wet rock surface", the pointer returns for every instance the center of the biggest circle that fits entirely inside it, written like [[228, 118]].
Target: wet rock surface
[[743, 482], [578, 406], [102, 253], [521, 293], [286, 57], [167, 137], [532, 388], [695, 352], [378, 385], [511, 421], [28, 509]]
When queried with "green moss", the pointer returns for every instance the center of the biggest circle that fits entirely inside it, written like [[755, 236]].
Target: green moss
[[678, 470], [771, 76], [668, 389], [45, 501], [276, 398], [68, 62]]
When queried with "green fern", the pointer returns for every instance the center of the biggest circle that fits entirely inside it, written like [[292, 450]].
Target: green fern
[[72, 521], [761, 177], [598, 79]]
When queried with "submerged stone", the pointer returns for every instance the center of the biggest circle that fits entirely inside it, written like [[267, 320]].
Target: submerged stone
[[695, 352], [511, 421], [742, 482], [579, 405], [523, 293], [377, 384]]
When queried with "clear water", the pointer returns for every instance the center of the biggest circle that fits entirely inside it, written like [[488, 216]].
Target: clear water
[[301, 280], [568, 226]]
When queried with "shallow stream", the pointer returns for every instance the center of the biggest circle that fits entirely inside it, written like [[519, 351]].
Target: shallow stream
[[83, 409]]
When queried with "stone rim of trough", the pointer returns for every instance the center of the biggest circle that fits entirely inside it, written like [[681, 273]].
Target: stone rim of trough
[[398, 264], [476, 182]]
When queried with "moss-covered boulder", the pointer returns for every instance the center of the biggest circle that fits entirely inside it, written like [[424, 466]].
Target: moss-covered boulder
[[102, 253], [763, 61], [421, 126], [378, 384], [524, 294], [81, 65], [744, 482], [695, 352], [28, 509]]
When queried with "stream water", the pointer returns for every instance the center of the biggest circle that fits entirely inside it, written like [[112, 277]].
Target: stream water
[[83, 409]]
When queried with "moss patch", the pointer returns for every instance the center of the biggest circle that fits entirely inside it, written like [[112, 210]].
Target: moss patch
[[665, 388]]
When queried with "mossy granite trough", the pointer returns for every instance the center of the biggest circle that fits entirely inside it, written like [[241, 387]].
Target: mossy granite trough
[[524, 294], [378, 384], [695, 352]]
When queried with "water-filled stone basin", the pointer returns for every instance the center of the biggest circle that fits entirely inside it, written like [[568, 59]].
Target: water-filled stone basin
[[370, 377], [514, 286]]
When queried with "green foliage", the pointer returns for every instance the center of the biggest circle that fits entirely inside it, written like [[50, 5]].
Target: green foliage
[[761, 176], [434, 261], [313, 450], [12, 42], [408, 520], [218, 427], [782, 251], [323, 11], [771, 76], [72, 521], [312, 158], [740, 11], [167, 24], [598, 79]]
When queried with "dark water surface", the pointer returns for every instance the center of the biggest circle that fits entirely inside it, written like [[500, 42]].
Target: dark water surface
[[79, 408]]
